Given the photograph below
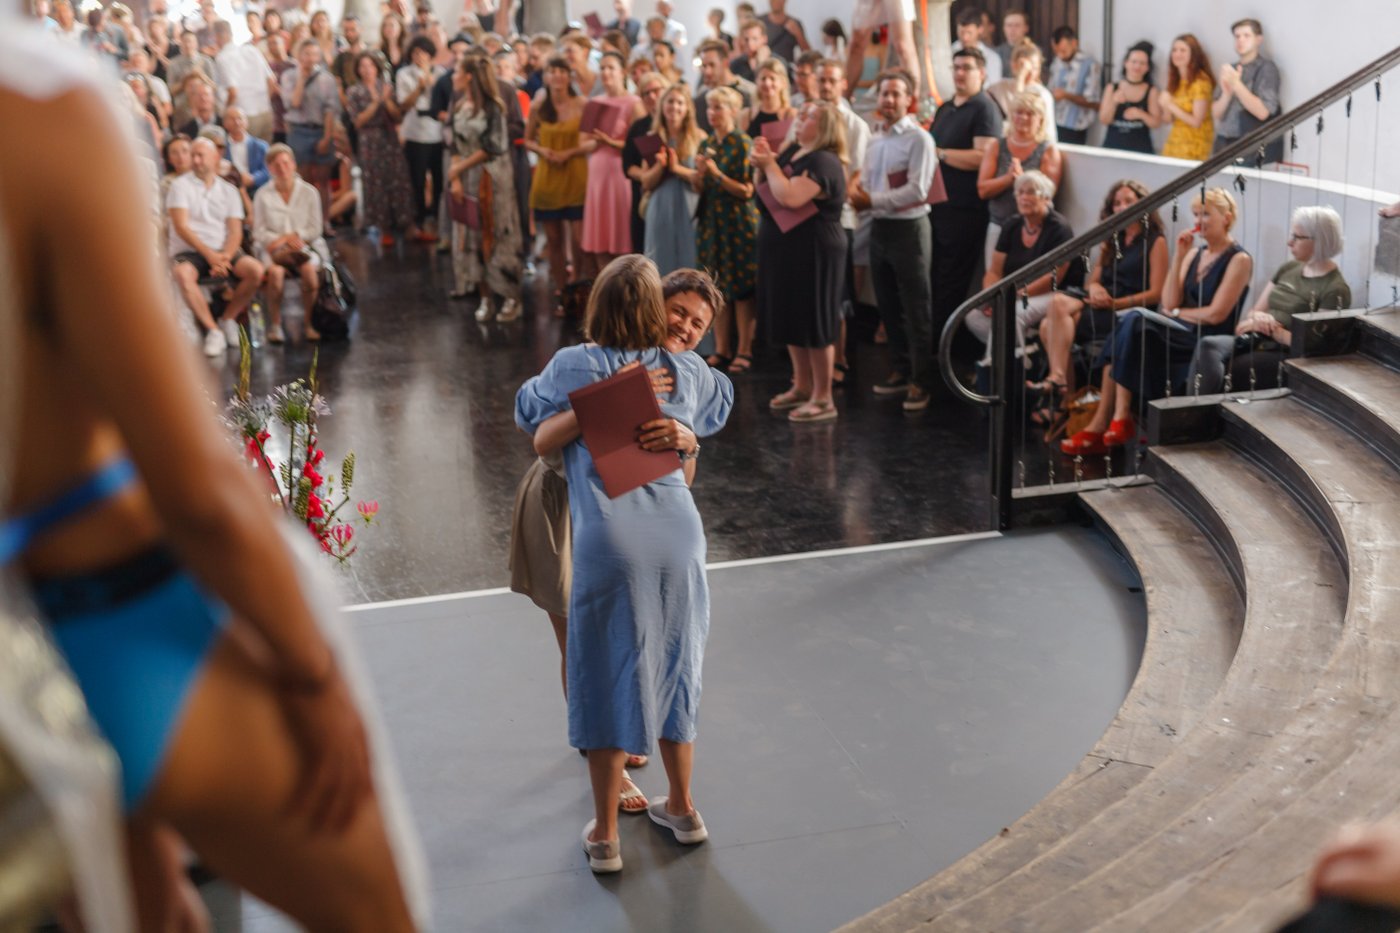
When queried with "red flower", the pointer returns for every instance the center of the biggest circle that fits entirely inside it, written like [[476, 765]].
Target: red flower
[[313, 507], [251, 447], [342, 534], [316, 478], [314, 457]]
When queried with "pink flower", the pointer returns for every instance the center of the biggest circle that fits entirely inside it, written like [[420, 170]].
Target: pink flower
[[368, 510], [342, 534]]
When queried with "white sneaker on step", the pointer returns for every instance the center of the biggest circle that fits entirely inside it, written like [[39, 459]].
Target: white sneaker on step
[[214, 343]]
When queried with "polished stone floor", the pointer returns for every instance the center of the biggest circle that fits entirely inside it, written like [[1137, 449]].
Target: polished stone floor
[[424, 396]]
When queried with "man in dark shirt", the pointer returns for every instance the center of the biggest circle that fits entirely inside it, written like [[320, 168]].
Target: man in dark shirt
[[1248, 92], [786, 37], [630, 26], [962, 129], [714, 72], [754, 51]]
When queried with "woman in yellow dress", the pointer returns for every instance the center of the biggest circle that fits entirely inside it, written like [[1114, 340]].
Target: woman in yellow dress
[[1190, 87], [561, 178]]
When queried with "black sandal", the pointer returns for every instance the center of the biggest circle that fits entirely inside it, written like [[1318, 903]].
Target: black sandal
[[1048, 388], [742, 363], [718, 361], [840, 372]]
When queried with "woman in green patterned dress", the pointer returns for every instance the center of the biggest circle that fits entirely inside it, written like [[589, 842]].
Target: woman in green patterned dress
[[728, 226]]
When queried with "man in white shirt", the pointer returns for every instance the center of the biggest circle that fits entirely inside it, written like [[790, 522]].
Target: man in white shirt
[[206, 230], [244, 78], [894, 184], [675, 30], [287, 227], [68, 28]]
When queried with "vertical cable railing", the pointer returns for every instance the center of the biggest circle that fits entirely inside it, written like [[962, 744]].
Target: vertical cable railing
[[1016, 460]]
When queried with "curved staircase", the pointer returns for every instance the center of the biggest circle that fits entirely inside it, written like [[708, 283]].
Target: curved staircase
[[1266, 711]]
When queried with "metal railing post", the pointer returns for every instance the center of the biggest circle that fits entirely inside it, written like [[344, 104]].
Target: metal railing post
[[1003, 445]]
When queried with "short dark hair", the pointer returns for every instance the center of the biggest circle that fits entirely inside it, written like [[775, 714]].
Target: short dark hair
[[714, 45], [1251, 23], [1062, 33], [424, 43], [812, 58], [897, 74], [972, 16], [1016, 11], [974, 54], [696, 282], [667, 43]]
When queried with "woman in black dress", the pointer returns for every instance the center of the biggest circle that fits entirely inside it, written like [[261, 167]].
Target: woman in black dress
[[802, 272], [649, 89], [773, 102], [1130, 109]]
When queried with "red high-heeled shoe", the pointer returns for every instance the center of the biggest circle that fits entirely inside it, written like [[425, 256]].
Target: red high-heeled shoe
[[1083, 443], [1120, 432]]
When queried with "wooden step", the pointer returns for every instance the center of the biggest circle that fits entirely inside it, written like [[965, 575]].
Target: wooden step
[[1292, 625], [1341, 753], [1355, 391], [1380, 336], [1195, 614]]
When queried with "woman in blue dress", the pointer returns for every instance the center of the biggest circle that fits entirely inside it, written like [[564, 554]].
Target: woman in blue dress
[[639, 608], [669, 182]]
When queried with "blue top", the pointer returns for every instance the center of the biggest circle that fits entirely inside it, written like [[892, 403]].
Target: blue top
[[16, 534]]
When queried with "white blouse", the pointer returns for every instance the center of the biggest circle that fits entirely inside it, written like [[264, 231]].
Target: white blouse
[[301, 214]]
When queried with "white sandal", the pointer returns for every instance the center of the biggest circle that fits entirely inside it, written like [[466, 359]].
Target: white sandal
[[630, 791]]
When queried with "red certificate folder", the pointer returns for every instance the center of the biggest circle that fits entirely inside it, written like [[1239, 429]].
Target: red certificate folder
[[785, 217], [603, 115], [609, 413], [776, 132], [647, 146], [594, 24], [937, 193]]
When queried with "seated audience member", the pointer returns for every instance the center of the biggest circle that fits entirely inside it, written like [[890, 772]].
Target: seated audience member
[[1361, 863], [67, 28], [969, 29], [199, 91], [1187, 101], [287, 227], [1310, 281], [1129, 274], [1131, 109], [177, 162], [140, 63], [226, 170], [248, 154], [1036, 230], [1024, 75], [1076, 86], [206, 233], [1247, 96], [1205, 290], [1005, 160], [149, 128]]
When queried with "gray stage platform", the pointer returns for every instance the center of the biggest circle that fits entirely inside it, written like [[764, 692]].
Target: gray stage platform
[[868, 718]]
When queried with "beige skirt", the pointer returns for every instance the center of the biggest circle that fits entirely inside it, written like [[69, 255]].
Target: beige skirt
[[541, 562]]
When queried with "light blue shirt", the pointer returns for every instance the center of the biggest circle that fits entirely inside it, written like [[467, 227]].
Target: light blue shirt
[[903, 147]]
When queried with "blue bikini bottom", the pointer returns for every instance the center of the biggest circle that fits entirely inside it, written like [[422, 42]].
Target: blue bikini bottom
[[135, 636]]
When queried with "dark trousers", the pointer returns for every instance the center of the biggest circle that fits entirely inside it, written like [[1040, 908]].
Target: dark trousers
[[959, 237], [424, 160], [1076, 137], [1146, 356], [900, 251]]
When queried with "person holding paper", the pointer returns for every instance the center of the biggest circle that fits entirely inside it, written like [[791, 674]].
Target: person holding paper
[[772, 104], [1204, 293], [634, 160], [639, 604], [728, 226], [894, 186], [670, 198], [560, 184], [802, 262], [607, 208]]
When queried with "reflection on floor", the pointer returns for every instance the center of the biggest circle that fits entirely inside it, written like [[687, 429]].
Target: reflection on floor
[[868, 718], [425, 396]]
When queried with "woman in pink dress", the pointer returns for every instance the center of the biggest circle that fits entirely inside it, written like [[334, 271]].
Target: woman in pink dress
[[607, 212]]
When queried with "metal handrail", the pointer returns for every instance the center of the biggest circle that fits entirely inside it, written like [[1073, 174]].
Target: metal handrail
[[1253, 142]]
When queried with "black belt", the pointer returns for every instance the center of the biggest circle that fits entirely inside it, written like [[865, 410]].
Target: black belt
[[94, 590]]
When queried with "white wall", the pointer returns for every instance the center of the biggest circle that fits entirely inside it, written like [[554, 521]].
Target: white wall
[[1265, 206]]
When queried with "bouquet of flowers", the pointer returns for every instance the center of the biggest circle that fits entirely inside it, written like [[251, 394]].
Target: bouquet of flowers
[[304, 483]]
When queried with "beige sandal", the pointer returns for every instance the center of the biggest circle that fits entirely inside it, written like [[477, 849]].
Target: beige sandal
[[786, 400], [632, 794], [813, 412]]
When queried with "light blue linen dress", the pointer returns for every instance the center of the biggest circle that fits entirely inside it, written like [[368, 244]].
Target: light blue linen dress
[[670, 241], [639, 612]]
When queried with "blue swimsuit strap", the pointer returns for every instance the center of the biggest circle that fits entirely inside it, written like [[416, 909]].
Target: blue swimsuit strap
[[16, 534]]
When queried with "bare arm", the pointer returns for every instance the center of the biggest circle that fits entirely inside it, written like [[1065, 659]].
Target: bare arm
[[969, 160], [791, 192], [989, 183], [1232, 285]]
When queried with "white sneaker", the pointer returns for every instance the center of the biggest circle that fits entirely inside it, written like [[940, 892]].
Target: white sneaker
[[230, 327], [510, 311], [214, 343], [275, 334], [485, 312]]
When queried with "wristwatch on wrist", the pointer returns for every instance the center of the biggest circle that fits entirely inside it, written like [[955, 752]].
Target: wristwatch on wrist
[[1175, 312], [691, 455]]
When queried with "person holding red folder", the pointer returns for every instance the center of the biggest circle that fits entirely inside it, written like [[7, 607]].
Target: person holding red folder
[[802, 255], [639, 604], [607, 207]]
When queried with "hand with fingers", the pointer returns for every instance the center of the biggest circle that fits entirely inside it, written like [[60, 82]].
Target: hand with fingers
[[665, 434]]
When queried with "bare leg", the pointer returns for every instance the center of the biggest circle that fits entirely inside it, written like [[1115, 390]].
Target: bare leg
[[841, 344], [273, 282], [554, 252], [1109, 392], [1057, 333], [249, 273], [724, 318], [561, 635], [855, 58], [187, 278], [165, 898], [605, 771], [231, 768], [678, 758], [821, 360], [902, 41], [576, 246], [747, 323], [801, 371], [310, 275]]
